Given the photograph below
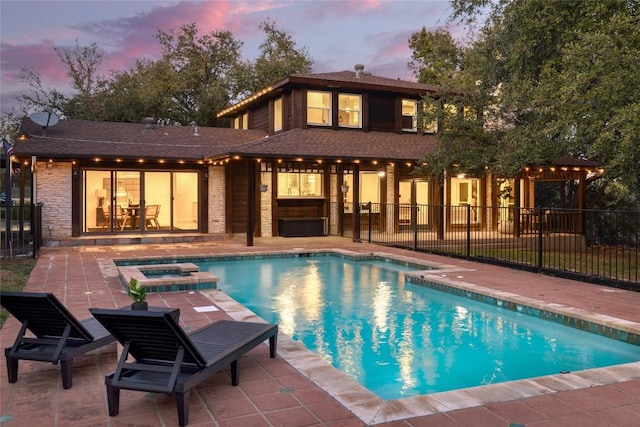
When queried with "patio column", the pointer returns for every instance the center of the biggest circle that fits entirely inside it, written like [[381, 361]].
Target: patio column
[[356, 203], [251, 202]]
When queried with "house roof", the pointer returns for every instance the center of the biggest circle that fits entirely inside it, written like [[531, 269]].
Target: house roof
[[346, 80], [344, 143], [360, 80], [571, 161], [89, 139], [109, 140]]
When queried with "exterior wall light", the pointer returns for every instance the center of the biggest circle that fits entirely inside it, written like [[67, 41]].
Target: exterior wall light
[[264, 188]]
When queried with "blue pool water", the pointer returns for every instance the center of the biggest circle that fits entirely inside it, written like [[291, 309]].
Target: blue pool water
[[400, 339]]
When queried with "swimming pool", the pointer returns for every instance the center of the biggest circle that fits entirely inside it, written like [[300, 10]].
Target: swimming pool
[[400, 338]]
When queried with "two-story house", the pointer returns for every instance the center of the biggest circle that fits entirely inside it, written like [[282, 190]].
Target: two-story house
[[301, 157]]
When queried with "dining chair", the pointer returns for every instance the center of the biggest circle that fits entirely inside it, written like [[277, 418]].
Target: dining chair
[[123, 217], [151, 215], [106, 216]]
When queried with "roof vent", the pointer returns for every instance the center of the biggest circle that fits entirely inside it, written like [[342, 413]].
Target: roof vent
[[359, 69], [148, 122]]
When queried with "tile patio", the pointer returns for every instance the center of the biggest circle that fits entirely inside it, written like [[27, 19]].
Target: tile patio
[[296, 389]]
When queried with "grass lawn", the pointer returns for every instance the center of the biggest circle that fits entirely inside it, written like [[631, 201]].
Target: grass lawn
[[13, 276]]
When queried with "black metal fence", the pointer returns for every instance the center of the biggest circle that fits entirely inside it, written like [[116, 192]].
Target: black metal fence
[[21, 233], [591, 245]]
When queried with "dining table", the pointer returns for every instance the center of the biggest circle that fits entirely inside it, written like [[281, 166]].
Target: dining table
[[134, 213]]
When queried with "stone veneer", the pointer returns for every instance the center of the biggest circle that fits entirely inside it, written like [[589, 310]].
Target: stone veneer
[[266, 207], [216, 213], [53, 190]]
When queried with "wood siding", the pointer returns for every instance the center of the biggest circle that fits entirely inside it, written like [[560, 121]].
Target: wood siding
[[382, 113], [239, 203], [260, 118], [300, 208]]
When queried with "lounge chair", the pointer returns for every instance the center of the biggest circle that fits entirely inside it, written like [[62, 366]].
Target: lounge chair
[[168, 360], [58, 336]]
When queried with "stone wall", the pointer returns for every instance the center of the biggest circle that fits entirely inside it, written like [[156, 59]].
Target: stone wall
[[216, 215], [266, 207], [53, 190]]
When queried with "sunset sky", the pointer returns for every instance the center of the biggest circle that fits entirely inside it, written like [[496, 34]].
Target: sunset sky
[[337, 34]]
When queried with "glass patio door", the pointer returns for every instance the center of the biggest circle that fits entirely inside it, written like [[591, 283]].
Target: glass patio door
[[157, 200], [111, 201], [410, 190], [185, 201], [126, 204], [135, 201], [464, 192]]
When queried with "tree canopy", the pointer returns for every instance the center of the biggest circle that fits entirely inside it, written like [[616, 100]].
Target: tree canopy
[[436, 57], [197, 75], [552, 78]]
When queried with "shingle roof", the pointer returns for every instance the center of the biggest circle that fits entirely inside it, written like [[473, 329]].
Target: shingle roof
[[85, 139], [344, 143], [345, 80], [88, 139], [352, 79], [570, 161]]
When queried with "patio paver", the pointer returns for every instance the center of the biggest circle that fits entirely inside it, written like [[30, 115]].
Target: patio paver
[[273, 392]]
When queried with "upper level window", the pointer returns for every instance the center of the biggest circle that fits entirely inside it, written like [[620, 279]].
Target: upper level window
[[236, 122], [470, 113], [450, 114], [277, 114], [409, 114], [430, 116], [349, 107], [245, 120], [319, 108]]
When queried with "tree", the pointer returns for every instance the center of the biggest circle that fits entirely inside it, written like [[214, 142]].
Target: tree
[[145, 90], [40, 98], [206, 72], [82, 67], [82, 64], [197, 76], [558, 77], [436, 57], [278, 59]]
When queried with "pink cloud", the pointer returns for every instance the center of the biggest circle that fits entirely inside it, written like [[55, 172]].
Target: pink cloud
[[131, 38], [336, 34], [41, 57]]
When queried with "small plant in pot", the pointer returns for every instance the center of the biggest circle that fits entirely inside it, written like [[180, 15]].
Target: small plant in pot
[[138, 294]]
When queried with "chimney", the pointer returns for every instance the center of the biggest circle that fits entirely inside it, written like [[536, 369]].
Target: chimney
[[359, 69]]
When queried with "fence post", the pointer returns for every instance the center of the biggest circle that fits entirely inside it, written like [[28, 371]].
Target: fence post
[[414, 225], [369, 225], [540, 228], [468, 254]]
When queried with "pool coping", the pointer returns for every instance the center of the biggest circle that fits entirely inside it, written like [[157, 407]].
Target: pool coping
[[372, 410], [194, 279]]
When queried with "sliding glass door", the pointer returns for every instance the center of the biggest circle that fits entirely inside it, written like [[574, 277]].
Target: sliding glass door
[[185, 200], [139, 201]]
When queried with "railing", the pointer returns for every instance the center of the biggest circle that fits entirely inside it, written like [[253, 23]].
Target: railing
[[21, 234], [590, 245]]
